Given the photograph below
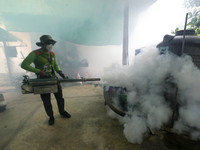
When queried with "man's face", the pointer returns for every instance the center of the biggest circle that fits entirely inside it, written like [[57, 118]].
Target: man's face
[[48, 45]]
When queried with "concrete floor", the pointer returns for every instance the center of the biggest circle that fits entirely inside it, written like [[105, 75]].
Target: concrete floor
[[24, 124]]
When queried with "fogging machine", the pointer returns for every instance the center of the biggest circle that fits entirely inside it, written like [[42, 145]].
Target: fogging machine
[[47, 85]]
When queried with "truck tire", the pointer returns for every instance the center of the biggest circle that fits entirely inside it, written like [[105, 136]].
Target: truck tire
[[108, 101]]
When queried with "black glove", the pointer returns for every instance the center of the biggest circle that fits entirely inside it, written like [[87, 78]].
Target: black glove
[[42, 73], [62, 75]]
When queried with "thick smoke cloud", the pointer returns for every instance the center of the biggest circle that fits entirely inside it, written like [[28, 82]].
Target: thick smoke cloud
[[146, 83]]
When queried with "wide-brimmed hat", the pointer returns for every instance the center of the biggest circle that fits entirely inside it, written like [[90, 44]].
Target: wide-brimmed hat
[[45, 38]]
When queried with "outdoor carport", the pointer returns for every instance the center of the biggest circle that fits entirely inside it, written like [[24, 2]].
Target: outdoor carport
[[24, 124]]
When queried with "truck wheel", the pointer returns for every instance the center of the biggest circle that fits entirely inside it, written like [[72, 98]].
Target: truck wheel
[[108, 101]]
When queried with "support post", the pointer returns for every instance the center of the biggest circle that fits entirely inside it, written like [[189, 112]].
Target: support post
[[8, 62], [125, 58], [182, 51]]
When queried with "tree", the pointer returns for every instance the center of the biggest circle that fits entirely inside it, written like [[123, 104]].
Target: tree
[[191, 3], [194, 23], [193, 17]]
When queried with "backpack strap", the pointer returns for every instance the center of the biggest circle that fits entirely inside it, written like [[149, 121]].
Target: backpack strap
[[37, 52], [50, 61]]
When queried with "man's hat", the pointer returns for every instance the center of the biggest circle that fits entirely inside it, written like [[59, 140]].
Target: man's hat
[[43, 39]]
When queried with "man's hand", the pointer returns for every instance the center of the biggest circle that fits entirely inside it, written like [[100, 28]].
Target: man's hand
[[42, 73], [62, 75]]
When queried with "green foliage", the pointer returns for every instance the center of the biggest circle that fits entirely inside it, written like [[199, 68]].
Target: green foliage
[[194, 22], [173, 32], [194, 18], [191, 3]]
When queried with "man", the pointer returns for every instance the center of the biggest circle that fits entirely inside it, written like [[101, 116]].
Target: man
[[45, 66]]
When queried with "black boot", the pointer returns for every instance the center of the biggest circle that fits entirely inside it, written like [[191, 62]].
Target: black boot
[[51, 121], [65, 114]]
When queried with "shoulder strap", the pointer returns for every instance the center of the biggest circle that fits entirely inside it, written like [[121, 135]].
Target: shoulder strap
[[52, 53], [50, 61], [37, 52]]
